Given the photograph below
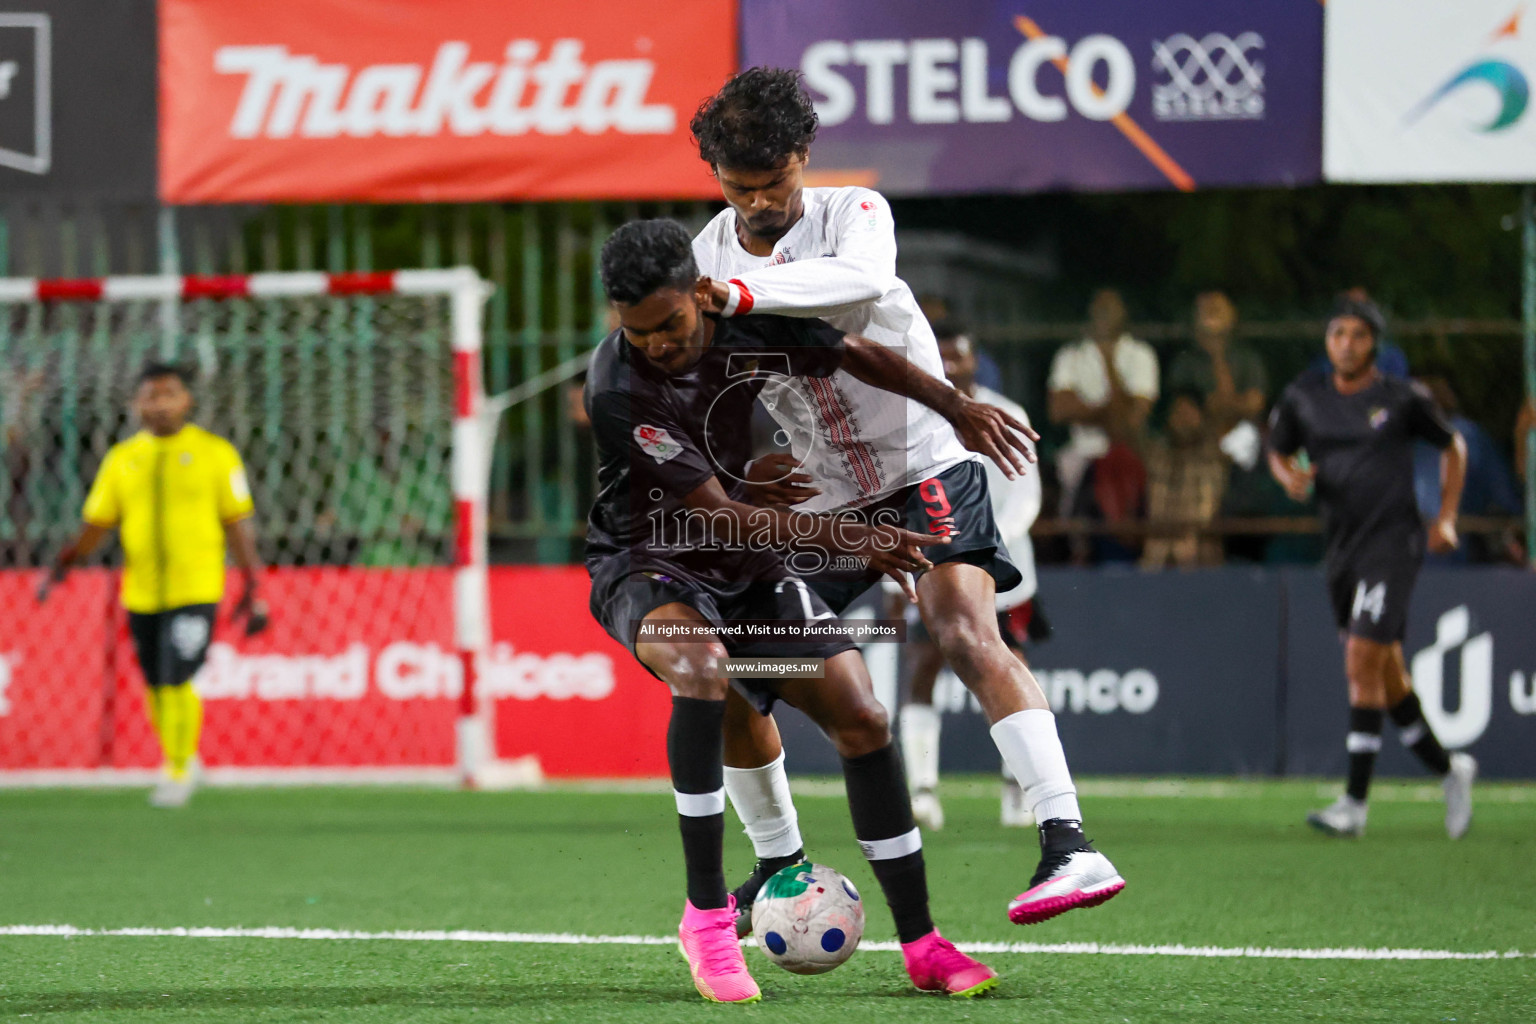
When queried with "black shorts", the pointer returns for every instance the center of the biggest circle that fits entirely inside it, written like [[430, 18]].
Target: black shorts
[[954, 503], [621, 601], [172, 644], [1370, 590]]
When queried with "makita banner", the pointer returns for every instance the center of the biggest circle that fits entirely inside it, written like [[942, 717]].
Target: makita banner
[[922, 98], [398, 100], [1426, 90], [77, 99]]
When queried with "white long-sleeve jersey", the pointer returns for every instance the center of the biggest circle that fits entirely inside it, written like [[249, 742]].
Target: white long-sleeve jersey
[[838, 262], [1015, 506]]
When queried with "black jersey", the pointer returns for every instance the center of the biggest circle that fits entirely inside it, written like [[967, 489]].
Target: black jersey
[[660, 436], [1362, 448]]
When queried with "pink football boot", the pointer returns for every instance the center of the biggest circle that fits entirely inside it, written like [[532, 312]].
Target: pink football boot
[[935, 965], [708, 940]]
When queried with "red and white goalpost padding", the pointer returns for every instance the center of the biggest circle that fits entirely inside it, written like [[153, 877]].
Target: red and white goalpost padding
[[453, 281], [248, 340]]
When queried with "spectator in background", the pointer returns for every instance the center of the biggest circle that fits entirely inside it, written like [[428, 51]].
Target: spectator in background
[[1525, 422], [1489, 489], [1232, 387], [1227, 377], [1186, 478], [988, 374], [575, 407], [394, 499], [1103, 387]]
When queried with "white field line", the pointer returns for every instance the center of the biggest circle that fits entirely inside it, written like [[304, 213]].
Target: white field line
[[68, 931], [1215, 789], [1385, 791]]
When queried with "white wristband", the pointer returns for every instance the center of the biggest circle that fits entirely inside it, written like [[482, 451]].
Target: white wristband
[[732, 299]]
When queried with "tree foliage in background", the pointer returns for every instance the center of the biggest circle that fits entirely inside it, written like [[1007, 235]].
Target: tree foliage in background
[[1422, 251]]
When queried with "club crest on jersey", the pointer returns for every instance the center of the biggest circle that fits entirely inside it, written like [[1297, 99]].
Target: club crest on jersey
[[782, 256], [657, 443], [1378, 417]]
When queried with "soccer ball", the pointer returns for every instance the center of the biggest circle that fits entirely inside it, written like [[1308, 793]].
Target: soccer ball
[[808, 919]]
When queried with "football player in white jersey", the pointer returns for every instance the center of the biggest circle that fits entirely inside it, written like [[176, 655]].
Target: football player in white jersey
[[831, 253], [1015, 505]]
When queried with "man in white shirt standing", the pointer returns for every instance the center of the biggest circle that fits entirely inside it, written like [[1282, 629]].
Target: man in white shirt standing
[[831, 253], [1103, 387]]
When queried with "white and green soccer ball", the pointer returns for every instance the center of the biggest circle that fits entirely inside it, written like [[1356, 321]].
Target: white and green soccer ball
[[808, 919]]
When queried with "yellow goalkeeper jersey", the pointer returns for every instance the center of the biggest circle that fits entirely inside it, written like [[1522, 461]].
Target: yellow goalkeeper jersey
[[170, 498]]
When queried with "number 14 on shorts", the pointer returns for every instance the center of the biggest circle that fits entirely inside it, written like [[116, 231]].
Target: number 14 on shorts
[[1369, 600]]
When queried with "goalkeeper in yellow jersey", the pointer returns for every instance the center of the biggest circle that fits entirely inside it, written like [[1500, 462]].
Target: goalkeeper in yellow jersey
[[174, 492]]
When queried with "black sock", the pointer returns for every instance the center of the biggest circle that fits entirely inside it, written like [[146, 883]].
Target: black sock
[[1363, 744], [764, 869], [695, 754], [1417, 736], [882, 822], [773, 865], [1061, 835]]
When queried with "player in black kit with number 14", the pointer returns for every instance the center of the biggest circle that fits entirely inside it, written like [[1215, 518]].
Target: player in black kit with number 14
[[1357, 427]]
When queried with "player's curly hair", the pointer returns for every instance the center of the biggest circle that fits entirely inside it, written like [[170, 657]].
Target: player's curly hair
[[645, 256], [756, 121]]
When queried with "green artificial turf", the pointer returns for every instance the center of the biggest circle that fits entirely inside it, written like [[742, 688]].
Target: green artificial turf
[[1230, 866]]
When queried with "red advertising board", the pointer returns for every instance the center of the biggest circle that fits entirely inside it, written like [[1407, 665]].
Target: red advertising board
[[358, 670], [55, 673], [449, 100], [564, 689]]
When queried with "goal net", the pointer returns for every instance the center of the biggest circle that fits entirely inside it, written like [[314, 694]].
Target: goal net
[[352, 400]]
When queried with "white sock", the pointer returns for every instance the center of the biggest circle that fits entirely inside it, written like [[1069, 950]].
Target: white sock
[[1029, 744], [762, 801], [920, 726]]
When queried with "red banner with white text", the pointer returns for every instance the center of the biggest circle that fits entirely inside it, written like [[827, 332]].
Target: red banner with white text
[[454, 100], [334, 683]]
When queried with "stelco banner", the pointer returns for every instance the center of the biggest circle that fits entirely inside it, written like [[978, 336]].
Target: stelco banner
[[399, 101], [922, 98], [1428, 90]]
